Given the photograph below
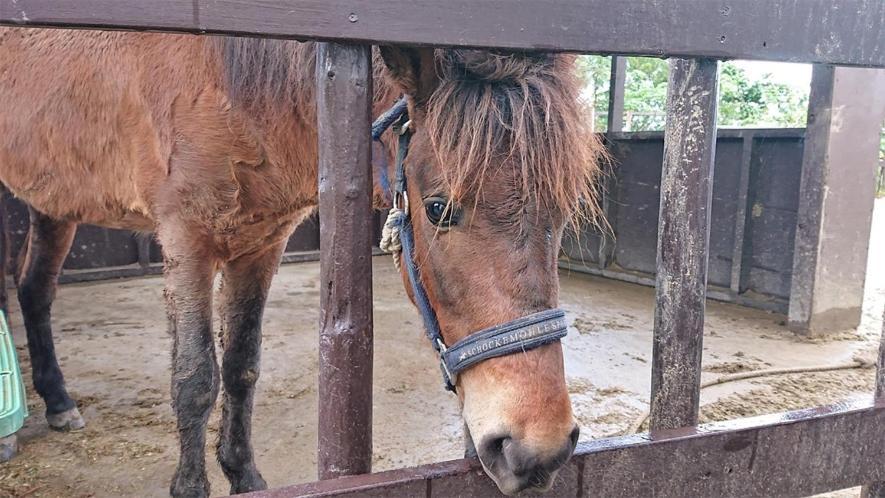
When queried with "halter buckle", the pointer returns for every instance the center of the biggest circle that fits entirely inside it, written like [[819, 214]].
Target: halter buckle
[[448, 377], [401, 201], [402, 128]]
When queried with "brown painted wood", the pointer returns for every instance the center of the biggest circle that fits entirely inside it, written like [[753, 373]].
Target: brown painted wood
[[850, 32], [792, 454], [683, 239], [344, 97], [616, 87]]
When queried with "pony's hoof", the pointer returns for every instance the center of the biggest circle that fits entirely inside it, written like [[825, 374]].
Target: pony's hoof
[[248, 483], [184, 490], [8, 448], [68, 420], [194, 487]]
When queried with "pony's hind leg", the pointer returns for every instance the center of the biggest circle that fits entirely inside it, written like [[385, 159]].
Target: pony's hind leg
[[48, 243], [245, 283], [189, 275]]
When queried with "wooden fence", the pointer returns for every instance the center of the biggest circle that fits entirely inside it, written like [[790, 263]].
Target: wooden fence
[[799, 453]]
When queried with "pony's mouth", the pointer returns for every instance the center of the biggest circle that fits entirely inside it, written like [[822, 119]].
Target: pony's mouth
[[516, 467], [511, 484]]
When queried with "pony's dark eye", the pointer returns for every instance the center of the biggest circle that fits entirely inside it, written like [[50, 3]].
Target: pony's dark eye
[[440, 212]]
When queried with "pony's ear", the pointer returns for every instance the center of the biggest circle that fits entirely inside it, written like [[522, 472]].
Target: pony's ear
[[412, 70]]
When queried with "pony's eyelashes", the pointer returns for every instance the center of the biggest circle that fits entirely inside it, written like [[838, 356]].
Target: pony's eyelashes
[[441, 212]]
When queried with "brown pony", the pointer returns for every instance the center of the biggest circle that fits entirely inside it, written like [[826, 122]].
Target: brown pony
[[211, 143]]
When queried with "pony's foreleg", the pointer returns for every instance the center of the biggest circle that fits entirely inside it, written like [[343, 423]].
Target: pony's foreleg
[[47, 245], [245, 283], [189, 275]]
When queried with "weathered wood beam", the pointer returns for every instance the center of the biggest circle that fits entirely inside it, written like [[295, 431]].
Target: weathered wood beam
[[792, 454], [849, 32]]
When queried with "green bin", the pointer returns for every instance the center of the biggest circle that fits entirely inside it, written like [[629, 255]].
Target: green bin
[[13, 404]]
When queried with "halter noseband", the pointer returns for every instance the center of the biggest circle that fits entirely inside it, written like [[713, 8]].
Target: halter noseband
[[519, 335]]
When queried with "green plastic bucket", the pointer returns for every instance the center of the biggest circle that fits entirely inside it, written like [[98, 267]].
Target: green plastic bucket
[[13, 404]]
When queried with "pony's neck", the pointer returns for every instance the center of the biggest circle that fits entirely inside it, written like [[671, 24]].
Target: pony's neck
[[277, 78]]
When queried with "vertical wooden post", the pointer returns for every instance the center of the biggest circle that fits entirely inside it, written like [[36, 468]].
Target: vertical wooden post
[[683, 237], [344, 97], [877, 489], [616, 94], [740, 254], [836, 196], [615, 124], [143, 245]]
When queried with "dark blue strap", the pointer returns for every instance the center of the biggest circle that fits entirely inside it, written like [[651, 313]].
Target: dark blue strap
[[379, 126], [522, 334], [431, 325], [389, 117]]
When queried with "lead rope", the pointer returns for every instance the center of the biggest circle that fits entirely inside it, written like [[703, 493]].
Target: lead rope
[[390, 235], [397, 217]]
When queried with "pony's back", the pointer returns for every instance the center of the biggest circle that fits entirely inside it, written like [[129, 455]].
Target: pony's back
[[86, 127]]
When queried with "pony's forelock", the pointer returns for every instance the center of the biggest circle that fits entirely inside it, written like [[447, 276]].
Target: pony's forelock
[[520, 112]]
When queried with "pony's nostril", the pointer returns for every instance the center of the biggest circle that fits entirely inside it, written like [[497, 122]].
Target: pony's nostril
[[573, 437], [493, 447]]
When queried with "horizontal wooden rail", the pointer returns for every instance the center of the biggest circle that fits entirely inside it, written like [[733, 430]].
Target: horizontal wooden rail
[[792, 454], [848, 32]]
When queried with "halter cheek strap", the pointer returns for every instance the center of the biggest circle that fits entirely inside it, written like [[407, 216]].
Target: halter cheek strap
[[520, 335]]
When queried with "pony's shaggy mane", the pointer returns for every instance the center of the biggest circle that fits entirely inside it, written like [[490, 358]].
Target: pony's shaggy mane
[[519, 110]]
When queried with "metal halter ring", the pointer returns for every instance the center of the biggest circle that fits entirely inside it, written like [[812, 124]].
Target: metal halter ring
[[401, 201]]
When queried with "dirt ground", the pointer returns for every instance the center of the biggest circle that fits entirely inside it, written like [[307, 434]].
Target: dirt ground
[[113, 346]]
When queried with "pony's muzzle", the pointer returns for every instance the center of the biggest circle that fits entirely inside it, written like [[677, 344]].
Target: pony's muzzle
[[515, 466]]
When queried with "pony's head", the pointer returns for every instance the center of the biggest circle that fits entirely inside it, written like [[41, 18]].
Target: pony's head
[[500, 160]]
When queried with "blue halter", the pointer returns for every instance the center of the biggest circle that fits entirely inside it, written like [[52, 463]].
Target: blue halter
[[518, 335]]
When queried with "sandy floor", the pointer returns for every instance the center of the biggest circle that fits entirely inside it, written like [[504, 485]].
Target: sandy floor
[[112, 342]]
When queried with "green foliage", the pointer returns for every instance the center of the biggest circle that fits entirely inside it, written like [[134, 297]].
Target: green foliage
[[742, 103]]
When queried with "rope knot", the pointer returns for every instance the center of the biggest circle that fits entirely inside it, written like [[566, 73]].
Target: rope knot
[[390, 234]]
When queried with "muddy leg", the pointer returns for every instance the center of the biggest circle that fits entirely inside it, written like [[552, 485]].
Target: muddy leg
[[243, 294], [194, 370], [48, 243]]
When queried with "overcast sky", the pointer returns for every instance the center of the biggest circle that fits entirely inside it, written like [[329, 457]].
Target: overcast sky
[[795, 75]]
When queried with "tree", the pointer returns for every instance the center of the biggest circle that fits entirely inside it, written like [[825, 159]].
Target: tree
[[742, 102]]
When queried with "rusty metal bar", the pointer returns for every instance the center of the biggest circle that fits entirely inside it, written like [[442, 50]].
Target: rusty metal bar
[[344, 97], [683, 239], [616, 94], [792, 454], [850, 32]]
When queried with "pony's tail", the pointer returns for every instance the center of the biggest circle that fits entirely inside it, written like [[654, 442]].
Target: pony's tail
[[4, 253]]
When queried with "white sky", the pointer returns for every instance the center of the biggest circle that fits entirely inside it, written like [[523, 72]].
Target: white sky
[[796, 75]]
